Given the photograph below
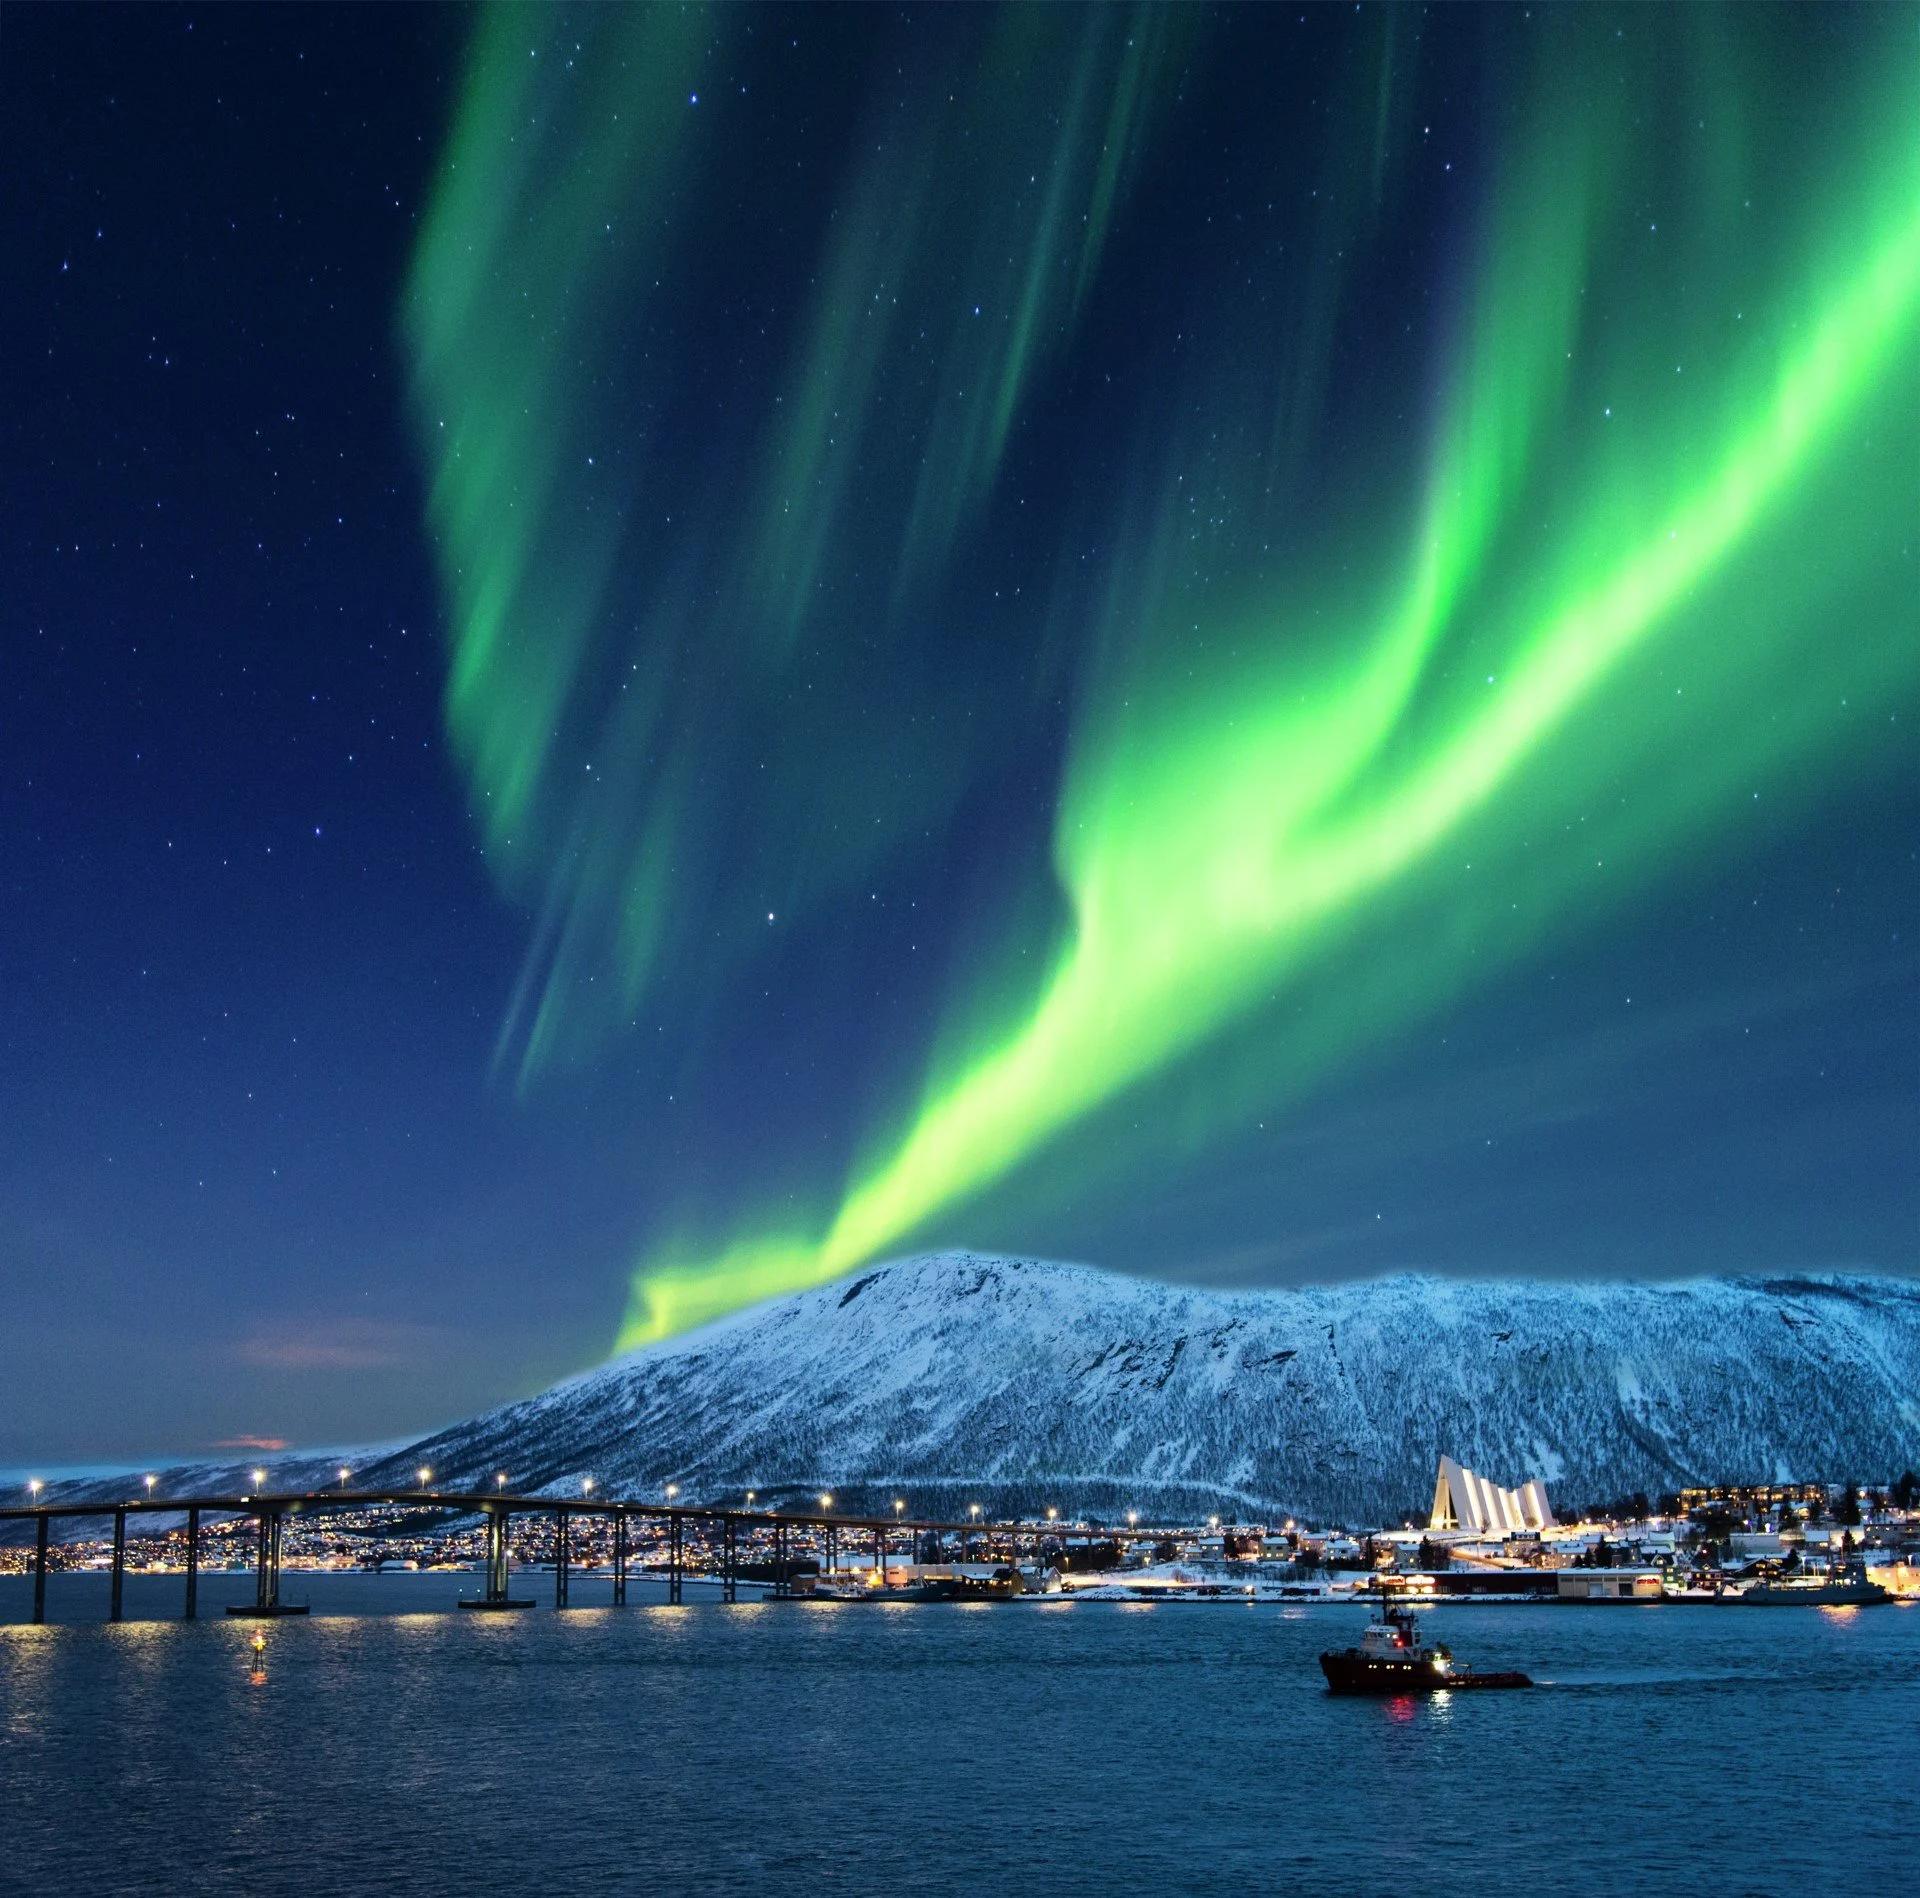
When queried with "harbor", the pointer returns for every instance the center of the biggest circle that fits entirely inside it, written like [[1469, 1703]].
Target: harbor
[[1818, 1545]]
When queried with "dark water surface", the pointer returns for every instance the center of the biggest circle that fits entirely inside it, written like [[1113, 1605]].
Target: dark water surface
[[1003, 1748]]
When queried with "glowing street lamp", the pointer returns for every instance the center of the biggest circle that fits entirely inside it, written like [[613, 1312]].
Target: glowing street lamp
[[259, 1477], [750, 1495], [425, 1475], [586, 1486], [899, 1508], [673, 1490], [500, 1481], [1133, 1516], [1053, 1515], [343, 1475], [826, 1500], [973, 1509], [34, 1487], [149, 1481]]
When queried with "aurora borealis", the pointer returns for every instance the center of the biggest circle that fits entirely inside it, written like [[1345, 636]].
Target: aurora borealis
[[655, 652], [1464, 541]]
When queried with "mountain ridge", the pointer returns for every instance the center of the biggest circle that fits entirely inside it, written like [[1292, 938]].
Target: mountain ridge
[[1029, 1385], [958, 1378]]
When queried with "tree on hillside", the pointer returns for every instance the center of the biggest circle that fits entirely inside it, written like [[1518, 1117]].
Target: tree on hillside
[[1848, 1514], [1714, 1524]]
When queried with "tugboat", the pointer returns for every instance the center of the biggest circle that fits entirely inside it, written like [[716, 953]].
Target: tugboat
[[1393, 1658]]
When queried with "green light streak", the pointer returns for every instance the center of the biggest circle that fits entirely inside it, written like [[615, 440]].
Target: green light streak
[[1207, 855], [1365, 700], [627, 559]]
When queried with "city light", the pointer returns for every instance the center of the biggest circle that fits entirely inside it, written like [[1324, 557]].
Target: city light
[[344, 1474], [259, 1477], [826, 1501], [899, 1508], [1053, 1515], [149, 1481], [673, 1490], [425, 1475], [973, 1509], [750, 1496], [500, 1481], [34, 1486], [586, 1486], [1133, 1516]]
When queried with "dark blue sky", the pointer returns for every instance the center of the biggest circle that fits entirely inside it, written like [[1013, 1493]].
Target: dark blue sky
[[261, 1174]]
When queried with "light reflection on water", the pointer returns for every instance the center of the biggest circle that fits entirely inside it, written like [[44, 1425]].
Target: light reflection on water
[[945, 1747]]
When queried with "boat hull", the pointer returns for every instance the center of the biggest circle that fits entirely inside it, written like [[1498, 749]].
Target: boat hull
[[1352, 1672], [1848, 1596]]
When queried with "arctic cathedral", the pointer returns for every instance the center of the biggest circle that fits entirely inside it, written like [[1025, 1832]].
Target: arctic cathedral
[[1469, 1503]]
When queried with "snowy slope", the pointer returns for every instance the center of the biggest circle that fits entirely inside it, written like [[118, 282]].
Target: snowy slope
[[957, 1378]]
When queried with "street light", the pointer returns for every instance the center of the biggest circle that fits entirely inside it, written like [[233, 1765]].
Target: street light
[[673, 1490], [1133, 1516], [826, 1500], [344, 1474], [750, 1494], [1053, 1515], [899, 1508], [259, 1477], [34, 1486], [500, 1481], [973, 1509], [586, 1486], [425, 1475], [149, 1481]]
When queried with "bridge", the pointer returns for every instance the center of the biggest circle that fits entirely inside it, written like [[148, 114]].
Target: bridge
[[732, 1529]]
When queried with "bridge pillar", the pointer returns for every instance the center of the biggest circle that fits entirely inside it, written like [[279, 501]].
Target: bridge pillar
[[266, 1580], [673, 1557], [499, 1553], [497, 1521], [40, 1570], [560, 1555], [726, 1559], [192, 1607], [119, 1563], [880, 1553], [619, 1558]]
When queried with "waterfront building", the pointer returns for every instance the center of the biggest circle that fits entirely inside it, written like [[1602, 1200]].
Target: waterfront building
[[1610, 1585]]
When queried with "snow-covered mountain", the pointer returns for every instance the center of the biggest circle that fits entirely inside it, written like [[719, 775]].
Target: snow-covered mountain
[[957, 1378]]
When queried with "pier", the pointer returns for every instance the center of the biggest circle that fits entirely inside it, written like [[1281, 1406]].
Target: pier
[[725, 1533]]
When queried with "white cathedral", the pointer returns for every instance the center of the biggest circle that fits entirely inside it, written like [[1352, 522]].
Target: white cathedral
[[1470, 1504]]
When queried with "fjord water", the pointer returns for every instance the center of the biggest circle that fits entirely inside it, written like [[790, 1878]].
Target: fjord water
[[1000, 1747]]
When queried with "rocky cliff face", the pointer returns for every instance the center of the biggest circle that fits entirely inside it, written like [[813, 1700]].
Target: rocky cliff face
[[957, 1378]]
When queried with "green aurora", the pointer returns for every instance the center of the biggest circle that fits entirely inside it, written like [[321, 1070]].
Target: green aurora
[[1389, 652]]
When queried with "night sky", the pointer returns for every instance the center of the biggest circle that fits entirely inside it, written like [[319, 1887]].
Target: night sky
[[651, 654]]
